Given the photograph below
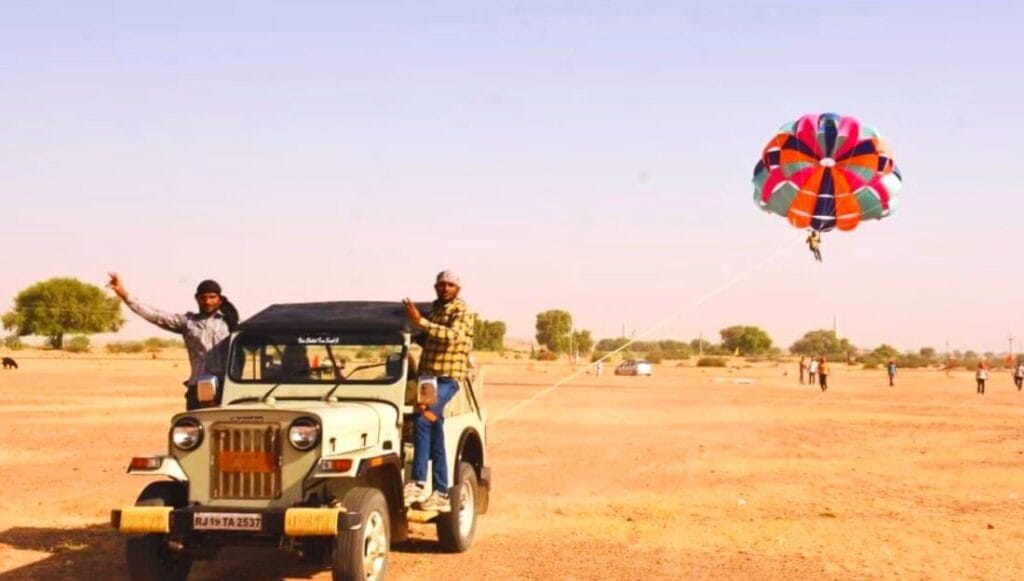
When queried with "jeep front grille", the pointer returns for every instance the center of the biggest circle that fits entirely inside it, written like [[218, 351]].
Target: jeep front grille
[[245, 461]]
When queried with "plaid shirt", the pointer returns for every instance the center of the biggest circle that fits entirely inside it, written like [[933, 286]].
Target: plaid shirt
[[449, 336]]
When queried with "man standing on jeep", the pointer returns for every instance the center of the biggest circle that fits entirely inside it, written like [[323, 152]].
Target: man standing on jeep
[[447, 339], [205, 333]]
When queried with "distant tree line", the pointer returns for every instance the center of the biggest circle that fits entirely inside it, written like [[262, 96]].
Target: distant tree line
[[63, 306]]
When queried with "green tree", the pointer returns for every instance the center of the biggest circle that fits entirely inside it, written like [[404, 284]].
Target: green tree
[[822, 342], [928, 353], [63, 305], [488, 335], [885, 352], [582, 341], [749, 340], [553, 330], [611, 344]]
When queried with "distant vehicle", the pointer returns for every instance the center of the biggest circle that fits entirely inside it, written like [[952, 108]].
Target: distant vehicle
[[634, 367]]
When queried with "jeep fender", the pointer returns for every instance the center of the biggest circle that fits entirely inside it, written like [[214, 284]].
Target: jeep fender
[[385, 476], [168, 467], [471, 451]]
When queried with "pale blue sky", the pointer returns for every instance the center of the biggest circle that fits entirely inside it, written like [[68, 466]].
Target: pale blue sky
[[588, 156]]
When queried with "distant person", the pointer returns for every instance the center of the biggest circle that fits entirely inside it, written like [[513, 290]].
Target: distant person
[[814, 243], [823, 372], [205, 333], [981, 375], [598, 369], [891, 369], [1018, 375], [803, 368], [812, 371], [447, 339]]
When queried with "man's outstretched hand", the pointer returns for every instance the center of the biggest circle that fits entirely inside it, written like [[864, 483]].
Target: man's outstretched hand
[[116, 286], [412, 312]]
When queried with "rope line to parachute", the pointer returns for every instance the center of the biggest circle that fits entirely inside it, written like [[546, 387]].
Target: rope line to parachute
[[736, 279]]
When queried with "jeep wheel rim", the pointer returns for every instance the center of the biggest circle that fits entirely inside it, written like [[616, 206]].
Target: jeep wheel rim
[[467, 508], [375, 545]]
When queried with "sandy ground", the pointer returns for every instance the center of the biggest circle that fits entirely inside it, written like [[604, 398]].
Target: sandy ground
[[688, 474]]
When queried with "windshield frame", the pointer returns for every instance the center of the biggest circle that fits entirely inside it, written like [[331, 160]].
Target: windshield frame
[[341, 339]]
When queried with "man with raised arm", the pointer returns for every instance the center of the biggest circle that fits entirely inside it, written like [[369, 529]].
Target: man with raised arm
[[448, 337], [205, 333]]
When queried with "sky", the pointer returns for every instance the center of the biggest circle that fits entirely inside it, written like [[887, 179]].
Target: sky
[[588, 156]]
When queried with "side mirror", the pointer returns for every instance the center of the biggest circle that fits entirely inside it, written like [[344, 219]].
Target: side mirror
[[206, 389]]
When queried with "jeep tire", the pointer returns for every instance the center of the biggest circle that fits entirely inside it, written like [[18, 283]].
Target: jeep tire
[[456, 529], [363, 553], [148, 556]]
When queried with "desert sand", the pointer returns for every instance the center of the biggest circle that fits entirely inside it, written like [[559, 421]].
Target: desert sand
[[692, 473]]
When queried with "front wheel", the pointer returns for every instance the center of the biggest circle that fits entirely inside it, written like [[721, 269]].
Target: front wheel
[[363, 554], [456, 529], [149, 557]]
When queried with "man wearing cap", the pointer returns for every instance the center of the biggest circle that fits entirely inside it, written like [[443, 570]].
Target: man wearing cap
[[447, 339], [205, 333]]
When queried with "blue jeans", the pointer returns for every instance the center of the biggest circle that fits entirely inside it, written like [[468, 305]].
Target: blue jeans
[[428, 438]]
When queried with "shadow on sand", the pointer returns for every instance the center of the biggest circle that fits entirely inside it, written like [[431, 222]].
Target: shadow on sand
[[97, 552]]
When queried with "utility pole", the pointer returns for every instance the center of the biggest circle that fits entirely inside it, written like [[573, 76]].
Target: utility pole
[[700, 344], [571, 358], [1011, 344]]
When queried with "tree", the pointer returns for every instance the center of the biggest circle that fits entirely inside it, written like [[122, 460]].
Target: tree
[[885, 352], [822, 342], [928, 353], [748, 340], [582, 342], [611, 344], [488, 335], [63, 305], [553, 330]]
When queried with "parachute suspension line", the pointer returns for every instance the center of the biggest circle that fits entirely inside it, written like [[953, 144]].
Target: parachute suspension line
[[736, 279]]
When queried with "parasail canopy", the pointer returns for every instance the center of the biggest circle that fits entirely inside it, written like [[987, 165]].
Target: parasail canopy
[[827, 171]]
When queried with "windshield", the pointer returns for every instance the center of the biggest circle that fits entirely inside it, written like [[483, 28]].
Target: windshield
[[316, 358]]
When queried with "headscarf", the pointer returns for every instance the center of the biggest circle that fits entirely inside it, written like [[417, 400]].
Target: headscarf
[[227, 308]]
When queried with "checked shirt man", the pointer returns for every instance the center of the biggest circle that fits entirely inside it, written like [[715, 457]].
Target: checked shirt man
[[448, 337]]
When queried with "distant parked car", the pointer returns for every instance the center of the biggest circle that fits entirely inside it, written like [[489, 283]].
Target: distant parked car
[[634, 367]]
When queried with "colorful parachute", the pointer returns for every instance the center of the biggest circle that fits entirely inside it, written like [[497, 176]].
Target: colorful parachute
[[827, 171]]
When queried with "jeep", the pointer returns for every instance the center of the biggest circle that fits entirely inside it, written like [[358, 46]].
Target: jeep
[[305, 446]]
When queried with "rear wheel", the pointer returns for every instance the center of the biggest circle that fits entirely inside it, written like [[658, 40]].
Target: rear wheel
[[363, 554], [149, 558], [456, 529]]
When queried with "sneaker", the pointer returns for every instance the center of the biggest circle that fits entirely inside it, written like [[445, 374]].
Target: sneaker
[[437, 501], [415, 492]]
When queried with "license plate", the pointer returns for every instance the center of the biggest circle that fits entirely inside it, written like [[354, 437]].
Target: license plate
[[227, 521]]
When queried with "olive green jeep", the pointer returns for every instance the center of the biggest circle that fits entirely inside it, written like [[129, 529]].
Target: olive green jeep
[[306, 447]]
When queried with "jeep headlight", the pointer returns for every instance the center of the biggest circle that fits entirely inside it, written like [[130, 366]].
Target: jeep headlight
[[304, 433], [187, 434]]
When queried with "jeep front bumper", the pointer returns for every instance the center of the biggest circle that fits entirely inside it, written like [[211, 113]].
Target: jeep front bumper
[[291, 522]]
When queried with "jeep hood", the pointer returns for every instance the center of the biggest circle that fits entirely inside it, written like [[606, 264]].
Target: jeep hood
[[346, 426]]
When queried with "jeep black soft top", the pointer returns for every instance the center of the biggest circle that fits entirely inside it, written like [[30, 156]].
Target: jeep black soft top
[[333, 316]]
